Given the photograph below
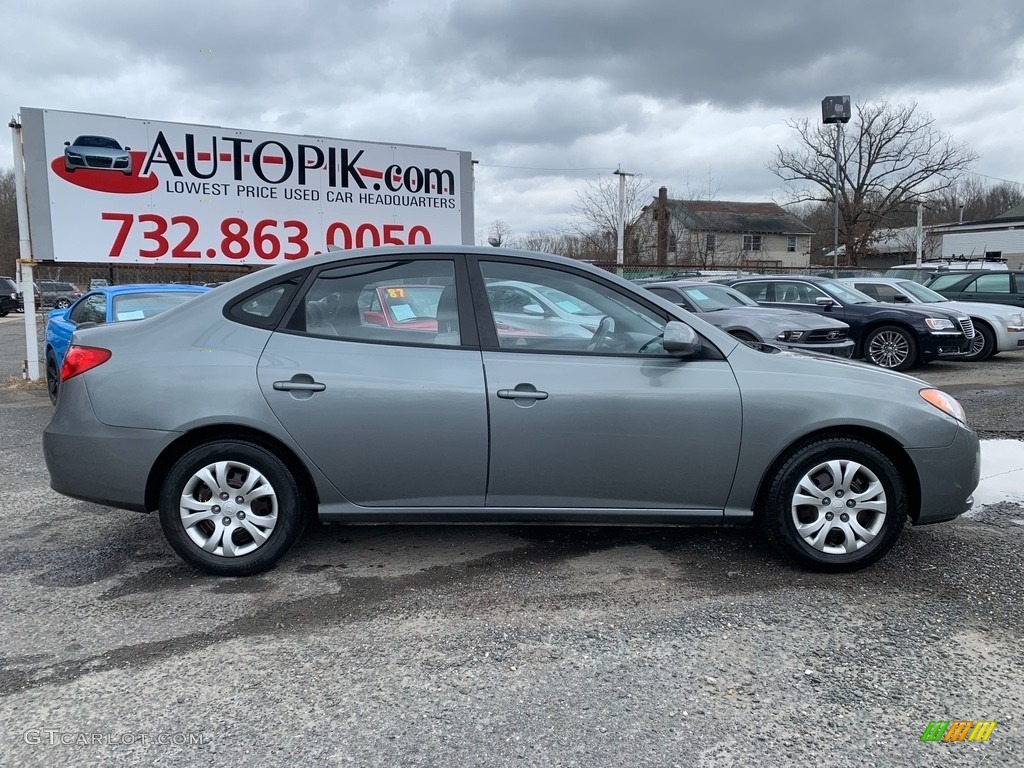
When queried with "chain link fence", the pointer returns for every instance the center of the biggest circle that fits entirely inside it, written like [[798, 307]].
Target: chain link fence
[[651, 272]]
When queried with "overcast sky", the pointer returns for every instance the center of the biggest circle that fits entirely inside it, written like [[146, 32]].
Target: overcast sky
[[546, 94]]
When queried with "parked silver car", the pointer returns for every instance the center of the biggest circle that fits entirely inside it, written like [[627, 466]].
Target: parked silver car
[[997, 327], [748, 321], [542, 309], [658, 418]]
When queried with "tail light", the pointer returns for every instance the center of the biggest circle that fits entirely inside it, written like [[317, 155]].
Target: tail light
[[81, 359]]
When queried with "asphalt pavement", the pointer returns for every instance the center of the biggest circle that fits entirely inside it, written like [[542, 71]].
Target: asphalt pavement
[[491, 646]]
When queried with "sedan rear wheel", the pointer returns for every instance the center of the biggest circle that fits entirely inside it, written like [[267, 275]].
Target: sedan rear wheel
[[982, 345], [891, 347], [62, 304], [52, 377], [837, 504], [231, 508]]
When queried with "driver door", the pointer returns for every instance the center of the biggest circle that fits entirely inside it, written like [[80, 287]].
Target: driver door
[[611, 422]]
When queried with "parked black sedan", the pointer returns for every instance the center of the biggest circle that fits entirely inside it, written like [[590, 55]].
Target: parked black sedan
[[890, 336], [745, 319]]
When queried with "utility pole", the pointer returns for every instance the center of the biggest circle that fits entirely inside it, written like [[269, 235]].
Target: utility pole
[[920, 231], [621, 233]]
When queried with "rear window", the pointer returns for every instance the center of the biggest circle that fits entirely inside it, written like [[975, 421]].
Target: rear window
[[138, 306]]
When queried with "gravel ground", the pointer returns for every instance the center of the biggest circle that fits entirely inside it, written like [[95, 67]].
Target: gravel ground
[[424, 646]]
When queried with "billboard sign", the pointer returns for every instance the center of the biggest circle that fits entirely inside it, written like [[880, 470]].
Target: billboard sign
[[114, 189]]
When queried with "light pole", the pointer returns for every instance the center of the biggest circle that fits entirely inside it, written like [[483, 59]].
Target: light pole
[[836, 109], [620, 234]]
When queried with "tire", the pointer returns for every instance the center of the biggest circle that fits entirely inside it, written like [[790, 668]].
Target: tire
[[891, 347], [52, 377], [259, 530], [62, 304], [983, 344], [797, 496], [3, 313]]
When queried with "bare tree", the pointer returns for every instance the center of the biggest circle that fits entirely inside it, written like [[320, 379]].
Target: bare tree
[[596, 215], [8, 223], [891, 155], [498, 233], [976, 199]]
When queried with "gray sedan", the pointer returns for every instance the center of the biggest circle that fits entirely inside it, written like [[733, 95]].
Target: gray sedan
[[655, 418], [997, 327], [748, 321]]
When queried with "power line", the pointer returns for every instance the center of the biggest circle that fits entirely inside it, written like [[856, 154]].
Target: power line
[[996, 178], [533, 168]]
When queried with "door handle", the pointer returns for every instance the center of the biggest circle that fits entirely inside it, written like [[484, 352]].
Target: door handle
[[522, 394], [299, 386], [300, 382]]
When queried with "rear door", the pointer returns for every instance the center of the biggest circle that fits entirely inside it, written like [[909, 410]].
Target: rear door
[[393, 417]]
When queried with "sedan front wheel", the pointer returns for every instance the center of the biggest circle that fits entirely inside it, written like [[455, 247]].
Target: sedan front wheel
[[891, 347], [837, 504], [231, 508]]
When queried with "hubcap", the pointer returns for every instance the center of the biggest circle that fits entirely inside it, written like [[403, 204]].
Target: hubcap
[[233, 528], [889, 349], [839, 506]]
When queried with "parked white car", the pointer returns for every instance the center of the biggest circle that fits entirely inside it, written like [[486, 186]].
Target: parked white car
[[998, 327]]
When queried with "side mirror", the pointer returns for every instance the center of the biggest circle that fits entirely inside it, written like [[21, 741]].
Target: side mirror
[[536, 310], [67, 143], [899, 298], [127, 149], [824, 301], [680, 339]]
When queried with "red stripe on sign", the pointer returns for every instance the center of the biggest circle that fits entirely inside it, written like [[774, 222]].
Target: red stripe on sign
[[272, 160], [371, 173], [180, 155], [204, 156], [246, 158], [225, 157]]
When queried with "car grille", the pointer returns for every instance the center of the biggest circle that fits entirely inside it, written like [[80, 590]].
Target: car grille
[[967, 326], [826, 335], [99, 162]]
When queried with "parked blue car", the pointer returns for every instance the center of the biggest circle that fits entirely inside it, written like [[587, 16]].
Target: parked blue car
[[107, 304]]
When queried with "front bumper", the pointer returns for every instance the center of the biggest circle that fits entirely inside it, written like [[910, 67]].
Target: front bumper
[[948, 477], [842, 348], [942, 345]]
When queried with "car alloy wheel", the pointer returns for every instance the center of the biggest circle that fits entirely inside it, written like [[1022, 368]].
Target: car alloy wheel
[[891, 347], [231, 508], [52, 377], [837, 504], [62, 304], [982, 345]]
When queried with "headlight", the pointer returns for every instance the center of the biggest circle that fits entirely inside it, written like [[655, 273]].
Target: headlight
[[939, 324], [74, 156], [1015, 321], [790, 336], [945, 403]]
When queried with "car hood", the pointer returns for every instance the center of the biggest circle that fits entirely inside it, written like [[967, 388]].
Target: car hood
[[981, 308], [796, 319]]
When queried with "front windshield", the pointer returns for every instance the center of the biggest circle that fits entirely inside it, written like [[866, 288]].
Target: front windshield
[[918, 291], [710, 298], [846, 294]]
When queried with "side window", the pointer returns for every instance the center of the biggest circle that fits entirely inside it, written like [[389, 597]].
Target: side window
[[753, 290], [92, 309], [410, 302], [994, 283], [871, 289], [264, 307], [578, 314], [944, 281], [796, 293]]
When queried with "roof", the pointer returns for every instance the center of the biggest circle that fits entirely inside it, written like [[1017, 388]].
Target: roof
[[729, 216]]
